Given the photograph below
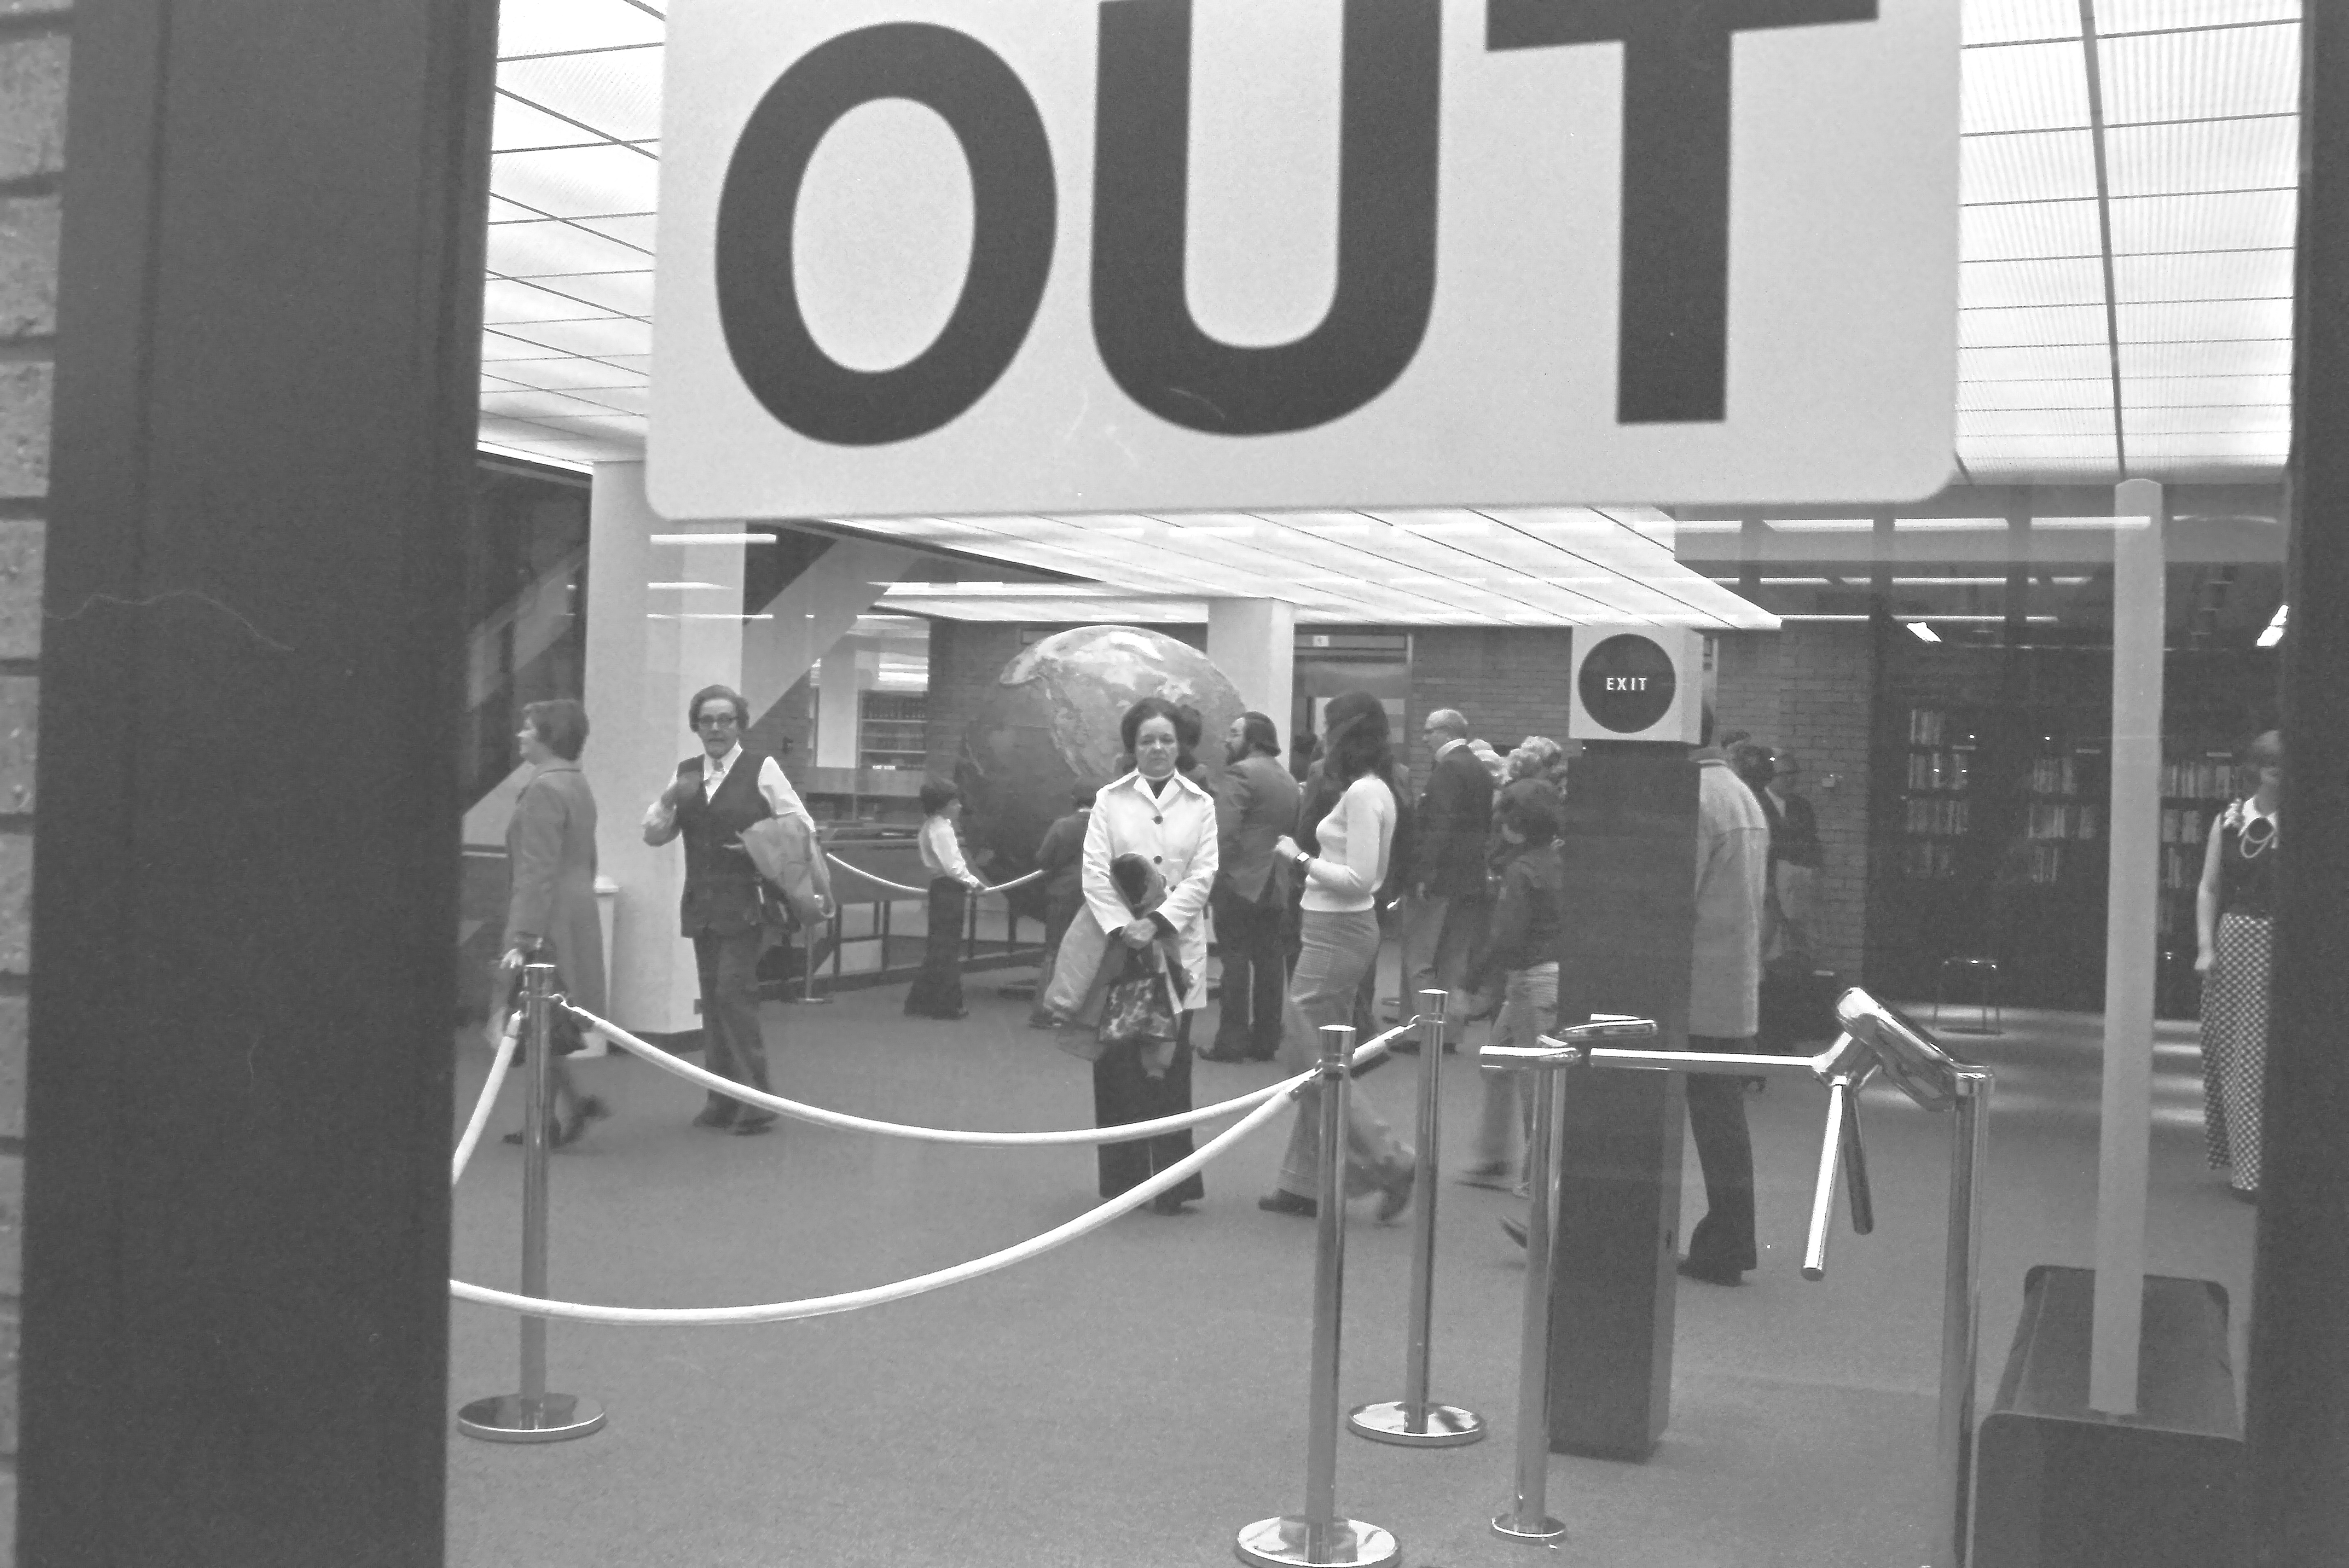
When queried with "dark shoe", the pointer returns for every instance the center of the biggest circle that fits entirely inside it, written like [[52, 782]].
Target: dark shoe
[[1217, 1053], [1688, 1268], [1167, 1203], [516, 1138], [1396, 1197], [752, 1126], [1406, 1044], [1514, 1229], [593, 1109], [720, 1117], [1280, 1201], [1498, 1174], [1262, 1053]]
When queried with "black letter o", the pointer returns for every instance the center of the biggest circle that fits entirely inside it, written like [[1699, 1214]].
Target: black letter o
[[1012, 201]]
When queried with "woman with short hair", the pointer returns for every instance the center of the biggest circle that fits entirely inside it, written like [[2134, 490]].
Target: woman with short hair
[[1339, 944], [550, 915], [2234, 924], [937, 991], [1159, 813]]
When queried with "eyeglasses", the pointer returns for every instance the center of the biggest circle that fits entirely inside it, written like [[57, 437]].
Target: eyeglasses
[[718, 721]]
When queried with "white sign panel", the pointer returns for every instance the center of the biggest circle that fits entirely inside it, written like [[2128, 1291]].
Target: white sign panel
[[1636, 683], [923, 256]]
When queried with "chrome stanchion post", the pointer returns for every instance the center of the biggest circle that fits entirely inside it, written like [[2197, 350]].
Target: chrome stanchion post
[[1321, 1537], [1960, 1313], [1528, 1518], [533, 1415], [1414, 1419]]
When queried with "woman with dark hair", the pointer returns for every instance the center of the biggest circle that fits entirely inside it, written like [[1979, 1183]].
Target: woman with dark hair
[[1158, 814], [937, 991], [1340, 943], [2234, 922], [550, 916], [1520, 949]]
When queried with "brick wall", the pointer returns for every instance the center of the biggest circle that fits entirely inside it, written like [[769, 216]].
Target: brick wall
[[965, 658], [1508, 682], [33, 53], [1806, 689]]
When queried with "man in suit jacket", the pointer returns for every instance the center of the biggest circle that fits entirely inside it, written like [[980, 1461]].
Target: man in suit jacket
[[1256, 803], [712, 799], [1444, 911]]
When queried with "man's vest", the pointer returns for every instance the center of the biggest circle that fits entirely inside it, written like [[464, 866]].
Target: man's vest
[[721, 886]]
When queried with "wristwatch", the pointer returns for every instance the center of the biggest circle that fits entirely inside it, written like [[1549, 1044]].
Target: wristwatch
[[1303, 860]]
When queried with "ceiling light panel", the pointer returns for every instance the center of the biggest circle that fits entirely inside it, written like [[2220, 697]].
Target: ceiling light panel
[[2206, 275], [545, 26], [2084, 421], [506, 300], [2088, 392], [515, 125], [2147, 16], [2203, 155], [2217, 448], [2032, 229], [578, 181], [2023, 86], [544, 249], [2097, 448], [2188, 419], [629, 228], [618, 91], [2210, 390], [2271, 357], [613, 335], [2198, 75], [568, 373], [497, 345], [2205, 321], [2008, 286], [2042, 166], [625, 399], [2255, 220], [2075, 362], [622, 294], [526, 404], [2016, 20], [2052, 327]]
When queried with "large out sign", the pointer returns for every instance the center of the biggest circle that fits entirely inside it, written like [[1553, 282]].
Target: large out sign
[[1061, 256], [1635, 683]]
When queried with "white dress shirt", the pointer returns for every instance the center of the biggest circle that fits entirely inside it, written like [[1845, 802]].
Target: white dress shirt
[[782, 798]]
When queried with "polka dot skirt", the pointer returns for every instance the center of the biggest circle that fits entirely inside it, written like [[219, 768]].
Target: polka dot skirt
[[2235, 1046]]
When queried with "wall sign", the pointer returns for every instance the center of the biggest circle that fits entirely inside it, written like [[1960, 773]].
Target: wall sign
[[1636, 683], [920, 255]]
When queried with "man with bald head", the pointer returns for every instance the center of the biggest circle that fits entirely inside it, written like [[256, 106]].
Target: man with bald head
[[1444, 911]]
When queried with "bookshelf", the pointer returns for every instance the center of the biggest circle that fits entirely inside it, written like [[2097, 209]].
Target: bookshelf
[[2196, 785]]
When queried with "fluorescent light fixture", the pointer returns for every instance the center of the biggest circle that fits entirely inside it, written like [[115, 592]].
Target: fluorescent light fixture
[[1948, 581], [713, 539], [1791, 581], [719, 587], [1821, 524], [2274, 633], [1983, 620], [1716, 525], [1947, 524], [1923, 633], [2092, 524], [1825, 617], [708, 616]]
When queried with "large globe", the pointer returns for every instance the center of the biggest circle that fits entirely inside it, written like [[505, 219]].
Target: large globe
[[1051, 722]]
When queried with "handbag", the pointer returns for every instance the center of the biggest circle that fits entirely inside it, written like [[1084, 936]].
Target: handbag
[[1138, 1008], [1082, 947], [787, 857]]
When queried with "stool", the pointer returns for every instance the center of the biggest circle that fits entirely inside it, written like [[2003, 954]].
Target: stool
[[1989, 1018]]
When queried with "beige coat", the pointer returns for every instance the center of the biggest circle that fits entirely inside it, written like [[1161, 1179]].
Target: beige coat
[[1178, 834], [550, 851]]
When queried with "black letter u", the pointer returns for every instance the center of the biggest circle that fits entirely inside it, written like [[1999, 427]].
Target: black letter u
[[1386, 226]]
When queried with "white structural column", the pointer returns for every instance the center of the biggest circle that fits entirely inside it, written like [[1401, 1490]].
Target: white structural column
[[801, 625], [1254, 643], [842, 679], [2133, 837], [650, 649]]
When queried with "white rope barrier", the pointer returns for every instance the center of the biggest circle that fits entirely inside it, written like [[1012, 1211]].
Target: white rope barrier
[[923, 891], [880, 1295], [1367, 1052], [497, 1065]]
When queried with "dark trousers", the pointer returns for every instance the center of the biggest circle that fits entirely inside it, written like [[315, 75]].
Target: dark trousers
[[732, 1046], [1724, 1239], [1255, 977], [1123, 1092], [937, 991]]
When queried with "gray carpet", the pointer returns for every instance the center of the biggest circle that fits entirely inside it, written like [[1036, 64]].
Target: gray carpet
[[1138, 1396]]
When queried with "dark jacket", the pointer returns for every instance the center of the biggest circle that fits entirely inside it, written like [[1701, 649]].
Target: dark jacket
[[1060, 857], [1255, 803], [1528, 913], [721, 884], [1452, 821]]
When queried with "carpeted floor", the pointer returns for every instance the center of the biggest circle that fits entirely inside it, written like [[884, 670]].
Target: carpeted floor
[[1138, 1396]]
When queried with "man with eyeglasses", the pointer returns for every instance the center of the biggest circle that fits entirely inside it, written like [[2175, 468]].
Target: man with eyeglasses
[[712, 799]]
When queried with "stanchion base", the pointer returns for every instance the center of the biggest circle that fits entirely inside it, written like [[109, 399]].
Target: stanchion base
[[1509, 1524], [510, 1419], [1281, 1543], [1389, 1421]]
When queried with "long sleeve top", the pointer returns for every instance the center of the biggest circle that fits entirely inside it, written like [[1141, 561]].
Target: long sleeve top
[[660, 818], [1527, 914], [942, 851], [1356, 839], [1174, 827]]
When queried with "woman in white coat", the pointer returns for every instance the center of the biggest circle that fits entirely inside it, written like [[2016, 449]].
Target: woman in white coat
[[1157, 812]]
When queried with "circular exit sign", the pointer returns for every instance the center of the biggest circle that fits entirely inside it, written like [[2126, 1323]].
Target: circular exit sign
[[1627, 683]]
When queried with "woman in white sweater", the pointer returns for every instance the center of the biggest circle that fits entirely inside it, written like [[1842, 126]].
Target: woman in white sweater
[[1343, 875]]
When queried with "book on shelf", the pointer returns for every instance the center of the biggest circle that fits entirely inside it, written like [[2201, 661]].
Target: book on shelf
[[2054, 775], [1937, 816], [2205, 778], [1925, 725]]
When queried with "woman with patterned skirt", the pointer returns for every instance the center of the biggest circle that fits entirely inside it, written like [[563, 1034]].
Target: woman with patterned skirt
[[2235, 927]]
